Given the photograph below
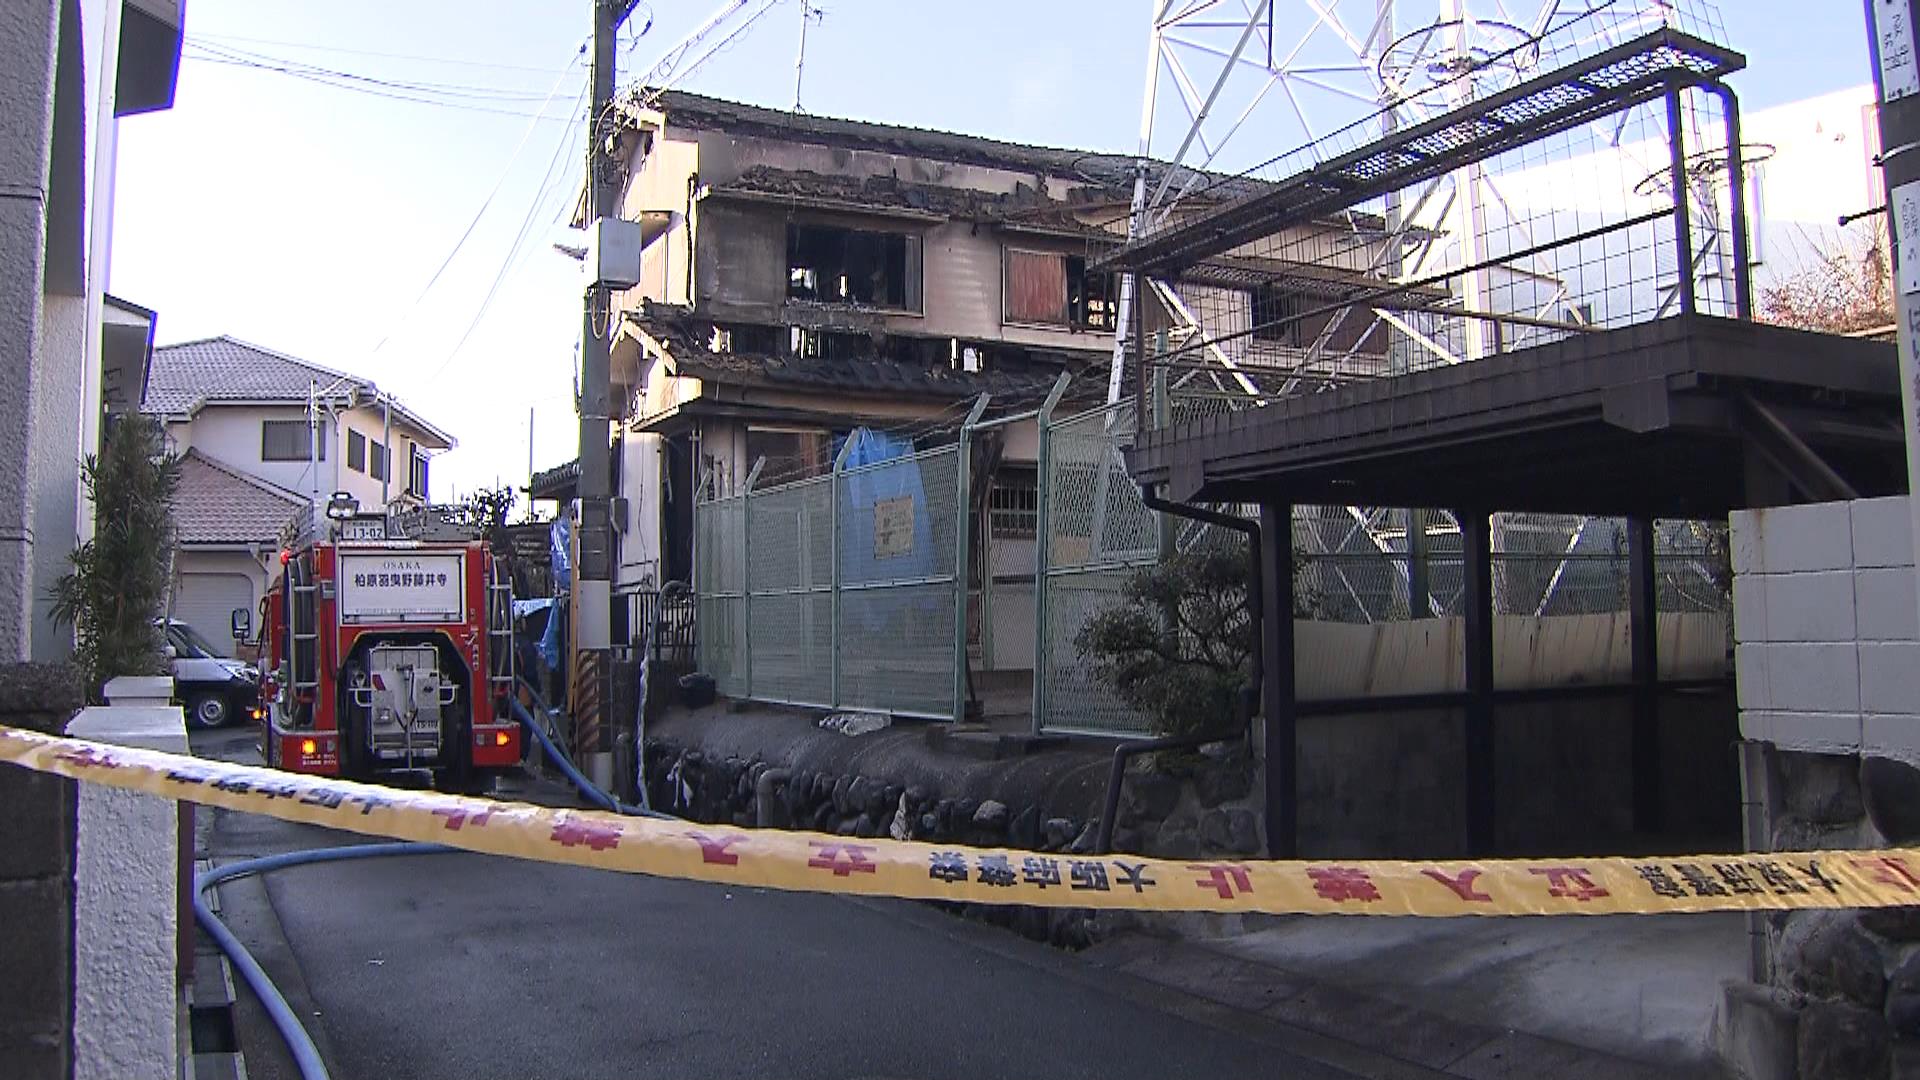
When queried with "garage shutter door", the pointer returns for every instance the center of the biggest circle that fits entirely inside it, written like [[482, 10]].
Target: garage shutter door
[[206, 603]]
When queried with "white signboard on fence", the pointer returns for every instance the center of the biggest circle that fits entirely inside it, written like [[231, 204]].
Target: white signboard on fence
[[893, 527], [399, 586]]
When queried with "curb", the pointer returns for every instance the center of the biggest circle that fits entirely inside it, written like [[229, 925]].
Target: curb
[[214, 1049]]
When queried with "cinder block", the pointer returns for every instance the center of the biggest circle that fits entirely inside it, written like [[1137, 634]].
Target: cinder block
[[1750, 608], [1883, 604], [1812, 606], [38, 810], [1820, 677], [1891, 735], [1883, 532], [35, 992], [1756, 724], [1890, 676], [1750, 676], [1793, 539], [1813, 732]]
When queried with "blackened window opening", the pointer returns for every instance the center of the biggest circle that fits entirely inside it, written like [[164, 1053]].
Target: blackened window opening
[[832, 265]]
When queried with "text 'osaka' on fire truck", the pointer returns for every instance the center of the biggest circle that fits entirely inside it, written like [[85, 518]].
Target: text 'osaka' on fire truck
[[387, 647]]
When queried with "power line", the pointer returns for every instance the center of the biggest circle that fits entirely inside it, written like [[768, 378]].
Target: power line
[[452, 90], [384, 94], [508, 264], [309, 47], [565, 137]]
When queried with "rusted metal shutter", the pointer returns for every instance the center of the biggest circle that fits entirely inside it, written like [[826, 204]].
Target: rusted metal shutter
[[1036, 287]]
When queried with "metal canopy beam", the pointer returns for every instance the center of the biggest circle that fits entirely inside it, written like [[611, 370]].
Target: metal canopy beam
[[1613, 81]]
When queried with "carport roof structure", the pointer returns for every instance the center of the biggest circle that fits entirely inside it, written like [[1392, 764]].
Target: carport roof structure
[[1686, 417]]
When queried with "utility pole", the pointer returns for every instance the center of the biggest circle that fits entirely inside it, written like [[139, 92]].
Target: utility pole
[[593, 532], [1896, 81], [313, 438], [386, 448]]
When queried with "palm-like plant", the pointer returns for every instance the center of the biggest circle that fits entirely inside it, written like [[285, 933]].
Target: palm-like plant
[[117, 587]]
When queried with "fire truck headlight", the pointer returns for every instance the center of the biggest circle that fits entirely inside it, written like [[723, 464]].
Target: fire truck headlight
[[500, 738], [308, 747]]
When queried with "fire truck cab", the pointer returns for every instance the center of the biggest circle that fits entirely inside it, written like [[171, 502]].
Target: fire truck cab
[[389, 655]]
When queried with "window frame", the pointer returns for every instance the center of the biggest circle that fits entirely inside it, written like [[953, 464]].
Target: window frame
[[417, 477], [312, 445], [913, 285], [379, 460], [356, 451], [1290, 305], [1073, 267]]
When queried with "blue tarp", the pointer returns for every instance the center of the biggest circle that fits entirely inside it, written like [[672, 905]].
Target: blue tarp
[[524, 608], [897, 483], [550, 642], [862, 490], [562, 563]]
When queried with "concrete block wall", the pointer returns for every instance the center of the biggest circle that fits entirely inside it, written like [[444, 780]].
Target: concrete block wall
[[1826, 630], [36, 884]]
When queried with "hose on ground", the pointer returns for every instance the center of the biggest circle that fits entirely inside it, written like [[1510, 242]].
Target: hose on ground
[[306, 1055], [574, 776]]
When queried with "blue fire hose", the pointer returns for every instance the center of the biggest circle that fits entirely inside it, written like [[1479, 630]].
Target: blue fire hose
[[306, 1055]]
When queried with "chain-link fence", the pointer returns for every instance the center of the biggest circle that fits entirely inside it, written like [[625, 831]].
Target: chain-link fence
[[837, 591], [843, 590]]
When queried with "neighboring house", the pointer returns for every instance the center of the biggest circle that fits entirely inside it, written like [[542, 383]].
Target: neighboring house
[[230, 525], [809, 275], [263, 437], [71, 353]]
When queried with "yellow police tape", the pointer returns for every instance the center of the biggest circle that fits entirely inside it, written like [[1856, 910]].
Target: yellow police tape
[[815, 862]]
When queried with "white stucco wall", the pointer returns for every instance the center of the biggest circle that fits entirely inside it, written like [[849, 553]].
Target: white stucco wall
[[230, 434], [1826, 627], [54, 461], [371, 424], [639, 540], [126, 907]]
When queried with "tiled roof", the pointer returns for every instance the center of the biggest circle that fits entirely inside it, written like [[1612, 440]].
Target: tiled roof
[[1027, 207], [684, 336], [1113, 171], [189, 374], [185, 376], [218, 504]]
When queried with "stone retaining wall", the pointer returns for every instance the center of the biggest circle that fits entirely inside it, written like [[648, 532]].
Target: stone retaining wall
[[1191, 805], [1841, 993]]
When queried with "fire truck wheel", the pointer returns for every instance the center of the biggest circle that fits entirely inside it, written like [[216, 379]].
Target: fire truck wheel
[[208, 711]]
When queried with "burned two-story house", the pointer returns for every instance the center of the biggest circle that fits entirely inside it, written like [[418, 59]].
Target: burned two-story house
[[813, 275]]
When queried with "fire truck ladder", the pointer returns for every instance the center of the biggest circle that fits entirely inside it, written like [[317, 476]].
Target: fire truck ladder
[[499, 629], [303, 633]]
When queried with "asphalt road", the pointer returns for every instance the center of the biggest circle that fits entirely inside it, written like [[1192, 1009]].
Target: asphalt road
[[468, 967]]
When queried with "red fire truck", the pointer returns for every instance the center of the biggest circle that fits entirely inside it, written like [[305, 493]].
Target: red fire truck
[[389, 655]]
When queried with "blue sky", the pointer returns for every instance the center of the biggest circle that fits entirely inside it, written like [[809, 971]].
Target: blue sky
[[308, 218]]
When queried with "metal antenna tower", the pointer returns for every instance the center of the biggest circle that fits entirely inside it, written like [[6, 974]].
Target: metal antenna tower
[[1231, 83]]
